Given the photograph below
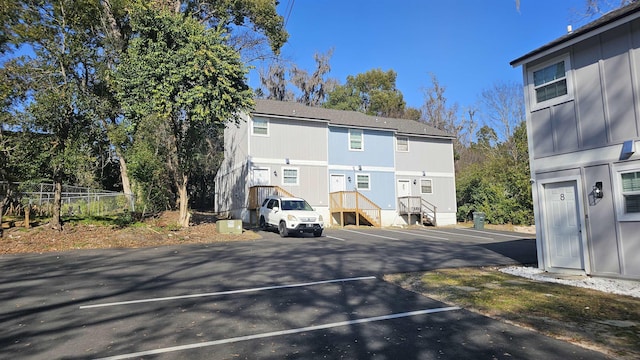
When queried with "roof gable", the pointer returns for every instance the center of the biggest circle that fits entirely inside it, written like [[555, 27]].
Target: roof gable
[[294, 110], [631, 11]]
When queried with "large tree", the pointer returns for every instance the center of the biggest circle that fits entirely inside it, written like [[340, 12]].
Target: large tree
[[56, 84], [251, 24], [373, 92], [180, 77]]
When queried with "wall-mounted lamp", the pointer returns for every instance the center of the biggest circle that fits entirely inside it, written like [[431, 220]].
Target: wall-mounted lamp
[[597, 190], [286, 161], [414, 181], [423, 173], [349, 178], [359, 167], [275, 173]]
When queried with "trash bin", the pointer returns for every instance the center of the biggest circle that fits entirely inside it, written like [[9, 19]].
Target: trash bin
[[478, 220]]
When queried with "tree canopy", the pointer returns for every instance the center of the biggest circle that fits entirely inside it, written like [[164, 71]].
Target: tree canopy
[[373, 92], [180, 77]]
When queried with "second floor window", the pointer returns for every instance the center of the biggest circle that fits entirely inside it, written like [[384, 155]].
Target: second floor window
[[356, 141], [550, 82], [402, 144], [260, 127]]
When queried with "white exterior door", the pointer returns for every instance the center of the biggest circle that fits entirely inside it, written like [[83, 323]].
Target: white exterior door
[[261, 177], [404, 188], [563, 228], [337, 183]]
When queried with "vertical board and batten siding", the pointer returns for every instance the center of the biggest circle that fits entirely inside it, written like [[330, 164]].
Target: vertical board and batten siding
[[604, 109], [378, 148], [304, 144], [230, 180], [603, 238], [435, 158], [426, 154], [376, 157], [312, 186], [582, 138], [293, 139]]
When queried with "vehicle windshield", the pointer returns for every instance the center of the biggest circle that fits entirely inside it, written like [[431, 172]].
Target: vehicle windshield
[[296, 205]]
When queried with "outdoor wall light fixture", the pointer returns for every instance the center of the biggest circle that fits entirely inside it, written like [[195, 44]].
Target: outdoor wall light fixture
[[275, 173], [359, 167], [423, 173], [349, 178], [414, 181], [286, 161], [597, 190]]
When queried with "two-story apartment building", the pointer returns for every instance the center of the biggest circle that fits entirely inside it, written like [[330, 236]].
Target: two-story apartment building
[[351, 167], [582, 94]]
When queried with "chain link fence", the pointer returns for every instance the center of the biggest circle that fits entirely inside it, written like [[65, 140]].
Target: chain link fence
[[76, 201]]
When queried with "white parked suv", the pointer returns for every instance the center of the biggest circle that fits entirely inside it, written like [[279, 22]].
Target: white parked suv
[[290, 215]]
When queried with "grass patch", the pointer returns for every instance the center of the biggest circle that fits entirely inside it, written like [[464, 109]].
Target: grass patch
[[607, 322]]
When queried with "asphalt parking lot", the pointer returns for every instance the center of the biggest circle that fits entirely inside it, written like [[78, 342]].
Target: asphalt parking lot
[[293, 298]]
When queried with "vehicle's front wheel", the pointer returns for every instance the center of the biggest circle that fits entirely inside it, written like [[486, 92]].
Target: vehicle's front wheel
[[317, 233], [263, 223], [282, 229]]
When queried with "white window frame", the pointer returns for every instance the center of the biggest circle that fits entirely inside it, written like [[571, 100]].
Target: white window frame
[[357, 183], [619, 194], [426, 193], [253, 126], [535, 105], [351, 131], [297, 170], [398, 143]]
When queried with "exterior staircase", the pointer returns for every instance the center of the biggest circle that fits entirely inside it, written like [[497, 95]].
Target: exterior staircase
[[356, 207], [416, 205]]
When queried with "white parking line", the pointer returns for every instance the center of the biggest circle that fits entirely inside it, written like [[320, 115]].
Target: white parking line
[[280, 333], [227, 292], [449, 233], [492, 233], [335, 238], [368, 234], [415, 233]]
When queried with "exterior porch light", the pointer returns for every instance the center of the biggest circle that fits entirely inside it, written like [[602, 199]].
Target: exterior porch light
[[349, 178], [414, 181], [275, 173], [597, 190], [286, 161]]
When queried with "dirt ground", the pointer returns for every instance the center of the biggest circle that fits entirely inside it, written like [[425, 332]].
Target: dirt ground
[[157, 231]]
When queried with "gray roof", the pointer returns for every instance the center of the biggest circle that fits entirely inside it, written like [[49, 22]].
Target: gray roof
[[604, 20], [296, 110]]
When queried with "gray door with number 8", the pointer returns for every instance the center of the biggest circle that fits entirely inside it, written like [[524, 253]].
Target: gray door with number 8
[[563, 230]]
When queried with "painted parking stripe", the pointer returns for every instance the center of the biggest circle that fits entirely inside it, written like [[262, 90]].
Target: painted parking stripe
[[228, 292], [417, 234], [368, 234], [335, 238], [280, 333], [498, 234], [452, 233]]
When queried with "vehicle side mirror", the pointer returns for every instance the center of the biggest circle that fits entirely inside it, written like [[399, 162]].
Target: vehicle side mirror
[[275, 209]]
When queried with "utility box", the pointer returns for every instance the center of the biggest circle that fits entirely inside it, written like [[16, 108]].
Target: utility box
[[229, 226], [478, 220]]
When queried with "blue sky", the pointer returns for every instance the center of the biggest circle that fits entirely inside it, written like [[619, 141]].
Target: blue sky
[[467, 44]]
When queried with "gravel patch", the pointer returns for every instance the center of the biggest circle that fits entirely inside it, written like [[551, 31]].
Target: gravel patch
[[613, 286]]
